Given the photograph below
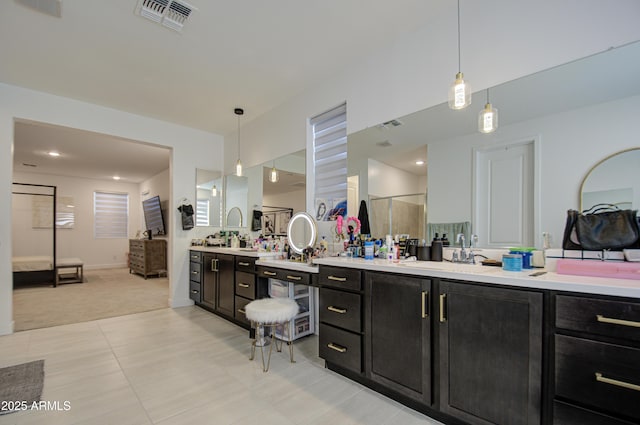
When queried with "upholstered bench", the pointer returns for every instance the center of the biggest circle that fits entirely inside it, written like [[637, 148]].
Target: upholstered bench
[[69, 270], [270, 313]]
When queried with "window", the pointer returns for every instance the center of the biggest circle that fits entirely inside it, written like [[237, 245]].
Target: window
[[111, 215], [330, 162], [202, 212]]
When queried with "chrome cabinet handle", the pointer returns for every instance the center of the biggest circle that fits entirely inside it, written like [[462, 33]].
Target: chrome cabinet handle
[[193, 291], [243, 285], [443, 298], [336, 278], [337, 310], [195, 257], [269, 273], [195, 272], [294, 277], [242, 263], [601, 378], [337, 348], [603, 319], [425, 309]]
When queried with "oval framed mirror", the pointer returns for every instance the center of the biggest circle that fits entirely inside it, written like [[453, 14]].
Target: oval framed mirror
[[613, 181], [234, 217], [302, 232]]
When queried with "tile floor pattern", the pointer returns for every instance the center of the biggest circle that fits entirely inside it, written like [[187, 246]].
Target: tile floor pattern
[[186, 366]]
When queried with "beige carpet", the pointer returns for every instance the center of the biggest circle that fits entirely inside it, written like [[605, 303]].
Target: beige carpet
[[104, 293]]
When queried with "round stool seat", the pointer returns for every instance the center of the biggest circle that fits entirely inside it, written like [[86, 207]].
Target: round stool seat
[[271, 310]]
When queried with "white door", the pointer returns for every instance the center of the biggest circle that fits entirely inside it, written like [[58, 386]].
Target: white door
[[504, 196]]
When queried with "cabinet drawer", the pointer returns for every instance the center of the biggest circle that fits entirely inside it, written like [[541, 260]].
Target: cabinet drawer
[[195, 271], [340, 308], [247, 264], [340, 347], [239, 313], [592, 373], [567, 414], [340, 277], [246, 285], [195, 256], [618, 319], [195, 292]]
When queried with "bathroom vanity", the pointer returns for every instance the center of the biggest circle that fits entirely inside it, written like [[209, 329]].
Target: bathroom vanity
[[470, 344]]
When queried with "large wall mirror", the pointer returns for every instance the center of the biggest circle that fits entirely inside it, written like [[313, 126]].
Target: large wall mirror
[[209, 203], [614, 180], [555, 103], [235, 201]]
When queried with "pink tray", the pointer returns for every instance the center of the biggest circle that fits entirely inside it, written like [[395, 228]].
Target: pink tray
[[618, 270]]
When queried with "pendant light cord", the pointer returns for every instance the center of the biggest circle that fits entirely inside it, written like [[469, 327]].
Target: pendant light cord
[[238, 136], [459, 62]]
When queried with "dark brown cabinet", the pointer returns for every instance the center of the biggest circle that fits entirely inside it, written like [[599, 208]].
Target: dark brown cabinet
[[398, 338], [597, 360], [490, 353], [218, 282], [195, 276]]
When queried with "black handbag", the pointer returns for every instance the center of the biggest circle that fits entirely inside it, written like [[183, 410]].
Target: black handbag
[[602, 226]]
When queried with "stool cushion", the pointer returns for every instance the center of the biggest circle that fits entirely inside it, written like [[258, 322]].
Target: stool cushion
[[271, 310]]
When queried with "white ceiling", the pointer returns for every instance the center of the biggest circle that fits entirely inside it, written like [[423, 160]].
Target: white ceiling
[[250, 54]]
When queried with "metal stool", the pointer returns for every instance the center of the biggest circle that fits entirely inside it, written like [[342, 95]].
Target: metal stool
[[270, 313]]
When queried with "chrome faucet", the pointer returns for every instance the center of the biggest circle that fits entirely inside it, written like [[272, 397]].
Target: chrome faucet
[[465, 256]]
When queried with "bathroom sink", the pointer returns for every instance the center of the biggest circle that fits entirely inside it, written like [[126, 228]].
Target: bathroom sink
[[450, 267]]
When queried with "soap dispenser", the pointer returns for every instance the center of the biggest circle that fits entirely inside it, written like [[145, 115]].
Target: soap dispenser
[[436, 248]]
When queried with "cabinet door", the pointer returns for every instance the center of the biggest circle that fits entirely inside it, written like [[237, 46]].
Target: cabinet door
[[490, 354], [209, 280], [226, 284], [398, 341]]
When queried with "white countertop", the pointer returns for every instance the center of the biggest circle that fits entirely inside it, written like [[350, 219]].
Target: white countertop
[[289, 265], [245, 252], [494, 275]]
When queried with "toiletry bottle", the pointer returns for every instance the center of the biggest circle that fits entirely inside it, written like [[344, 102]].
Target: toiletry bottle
[[368, 250], [445, 241], [436, 248]]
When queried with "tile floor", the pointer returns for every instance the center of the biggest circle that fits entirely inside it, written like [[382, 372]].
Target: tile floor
[[186, 366]]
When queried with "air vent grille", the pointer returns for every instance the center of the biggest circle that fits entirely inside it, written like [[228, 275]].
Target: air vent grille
[[169, 13]]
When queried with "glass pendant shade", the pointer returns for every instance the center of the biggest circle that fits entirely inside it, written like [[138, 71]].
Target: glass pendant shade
[[214, 191], [238, 168], [274, 176], [488, 119], [459, 93]]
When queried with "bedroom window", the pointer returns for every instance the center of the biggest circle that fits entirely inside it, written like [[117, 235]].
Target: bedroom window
[[111, 215], [202, 212]]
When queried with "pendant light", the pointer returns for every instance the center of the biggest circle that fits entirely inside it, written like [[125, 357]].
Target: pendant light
[[460, 91], [214, 191], [488, 118], [238, 112], [274, 176]]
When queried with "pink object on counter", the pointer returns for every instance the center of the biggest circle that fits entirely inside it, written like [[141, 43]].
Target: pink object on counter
[[614, 269]]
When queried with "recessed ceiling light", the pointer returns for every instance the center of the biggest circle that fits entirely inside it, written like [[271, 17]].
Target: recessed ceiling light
[[419, 162], [116, 177], [54, 153]]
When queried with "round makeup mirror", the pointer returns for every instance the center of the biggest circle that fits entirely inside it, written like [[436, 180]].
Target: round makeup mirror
[[613, 181], [234, 218], [301, 232]]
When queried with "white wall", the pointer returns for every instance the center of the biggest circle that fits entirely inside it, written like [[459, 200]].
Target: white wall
[[385, 180], [77, 242], [295, 200], [570, 144], [191, 149]]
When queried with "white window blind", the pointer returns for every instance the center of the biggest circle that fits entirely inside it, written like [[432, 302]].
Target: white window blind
[[111, 215], [330, 154], [202, 212]]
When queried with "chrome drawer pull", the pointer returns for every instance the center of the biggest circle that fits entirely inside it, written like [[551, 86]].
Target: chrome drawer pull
[[241, 310], [195, 272], [243, 285], [193, 291], [339, 279], [337, 348], [242, 263], [269, 273], [294, 277], [337, 310], [195, 257], [604, 319], [617, 383]]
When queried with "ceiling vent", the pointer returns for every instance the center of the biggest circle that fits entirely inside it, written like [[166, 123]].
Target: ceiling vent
[[384, 144], [169, 13], [388, 124]]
